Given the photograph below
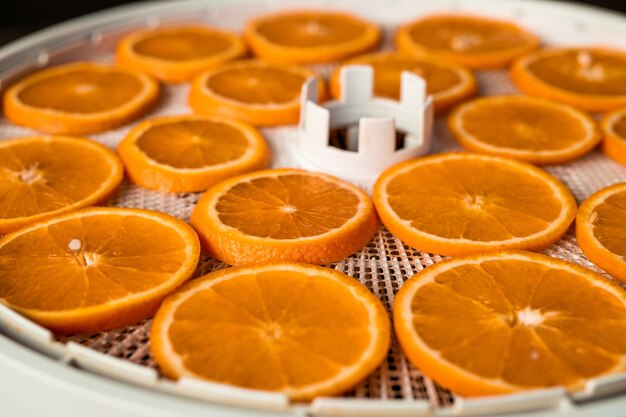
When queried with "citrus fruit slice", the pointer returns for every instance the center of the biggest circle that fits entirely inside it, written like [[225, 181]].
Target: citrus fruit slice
[[293, 328], [473, 41], [614, 129], [96, 268], [592, 79], [601, 229], [504, 322], [526, 128], [43, 176], [256, 92], [461, 203], [284, 215], [309, 37], [447, 83], [177, 54], [190, 153], [81, 97]]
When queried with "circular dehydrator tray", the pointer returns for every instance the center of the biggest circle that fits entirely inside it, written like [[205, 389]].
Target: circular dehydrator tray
[[385, 263]]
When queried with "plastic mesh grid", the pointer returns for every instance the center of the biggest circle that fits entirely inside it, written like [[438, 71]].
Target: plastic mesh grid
[[383, 265]]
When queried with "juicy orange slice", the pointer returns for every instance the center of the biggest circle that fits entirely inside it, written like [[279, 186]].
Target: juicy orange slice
[[96, 268], [256, 92], [177, 54], [298, 329], [191, 153], [460, 203], [511, 321], [592, 79], [284, 215], [525, 128], [601, 229], [43, 176], [447, 83], [308, 37], [473, 41], [614, 129], [82, 97]]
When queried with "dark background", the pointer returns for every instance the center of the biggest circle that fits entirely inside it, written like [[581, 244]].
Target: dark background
[[20, 17]]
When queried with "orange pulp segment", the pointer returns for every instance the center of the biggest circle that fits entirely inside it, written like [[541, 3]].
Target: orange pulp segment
[[302, 330], [461, 203], [42, 176], [308, 37], [96, 268], [82, 97], [191, 153], [176, 54], [614, 129], [505, 322], [284, 215]]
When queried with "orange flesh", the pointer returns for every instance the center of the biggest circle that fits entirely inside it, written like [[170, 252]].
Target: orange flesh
[[192, 144], [87, 262], [286, 207], [181, 45], [524, 126], [310, 31], [609, 224], [583, 72], [388, 74], [510, 320], [257, 85], [274, 328], [465, 35], [473, 200], [619, 127], [34, 178], [82, 91]]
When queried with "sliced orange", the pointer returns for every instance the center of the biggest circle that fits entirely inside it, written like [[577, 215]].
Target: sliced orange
[[82, 97], [473, 41], [310, 36], [526, 128], [504, 322], [177, 54], [190, 153], [461, 203], [614, 129], [284, 215], [42, 176], [256, 92], [449, 84], [601, 229], [299, 329], [96, 268], [592, 79]]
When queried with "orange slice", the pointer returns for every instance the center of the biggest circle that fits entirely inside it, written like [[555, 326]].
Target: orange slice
[[299, 329], [308, 37], [461, 203], [511, 321], [614, 129], [43, 176], [592, 79], [284, 215], [473, 41], [449, 84], [82, 97], [601, 229], [525, 128], [96, 268], [190, 153], [177, 54], [256, 92]]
